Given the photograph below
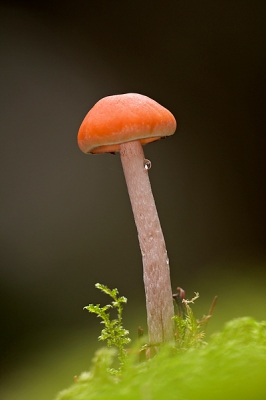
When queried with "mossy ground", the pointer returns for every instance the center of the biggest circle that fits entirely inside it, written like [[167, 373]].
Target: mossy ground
[[232, 365]]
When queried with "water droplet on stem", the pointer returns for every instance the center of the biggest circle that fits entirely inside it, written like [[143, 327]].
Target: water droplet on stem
[[147, 164]]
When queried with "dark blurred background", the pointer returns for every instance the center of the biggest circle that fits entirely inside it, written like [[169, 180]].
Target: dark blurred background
[[66, 220]]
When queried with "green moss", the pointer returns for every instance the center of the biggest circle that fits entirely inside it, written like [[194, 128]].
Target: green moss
[[231, 366], [113, 332]]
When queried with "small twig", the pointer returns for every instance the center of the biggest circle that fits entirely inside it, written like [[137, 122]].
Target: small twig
[[211, 310]]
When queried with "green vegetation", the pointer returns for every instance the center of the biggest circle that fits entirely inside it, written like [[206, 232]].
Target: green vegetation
[[113, 331], [232, 365]]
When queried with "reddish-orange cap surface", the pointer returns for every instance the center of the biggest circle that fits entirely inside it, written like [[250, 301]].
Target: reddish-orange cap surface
[[124, 118]]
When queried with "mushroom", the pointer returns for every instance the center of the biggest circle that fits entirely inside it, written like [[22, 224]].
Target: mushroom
[[123, 123]]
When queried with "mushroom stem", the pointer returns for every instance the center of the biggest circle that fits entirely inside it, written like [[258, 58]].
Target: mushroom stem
[[159, 301]]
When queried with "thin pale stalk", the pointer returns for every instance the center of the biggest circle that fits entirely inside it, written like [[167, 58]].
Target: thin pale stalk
[[156, 273]]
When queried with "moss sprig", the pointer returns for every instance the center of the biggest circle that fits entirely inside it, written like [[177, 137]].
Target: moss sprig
[[189, 332], [113, 332]]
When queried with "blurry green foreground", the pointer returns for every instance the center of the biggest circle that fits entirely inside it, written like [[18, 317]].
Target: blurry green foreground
[[231, 366]]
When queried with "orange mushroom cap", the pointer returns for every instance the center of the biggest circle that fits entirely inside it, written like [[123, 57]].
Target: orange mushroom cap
[[124, 118]]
